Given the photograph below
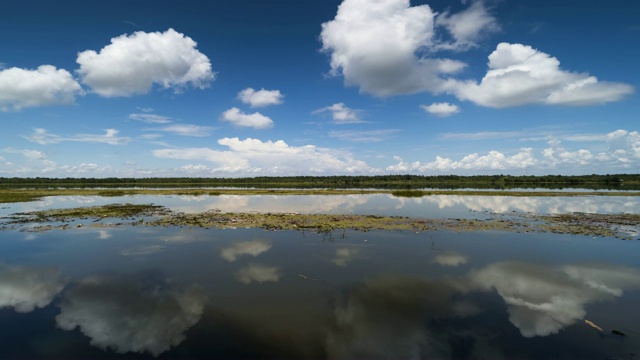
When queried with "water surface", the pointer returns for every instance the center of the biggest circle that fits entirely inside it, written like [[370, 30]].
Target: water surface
[[137, 292]]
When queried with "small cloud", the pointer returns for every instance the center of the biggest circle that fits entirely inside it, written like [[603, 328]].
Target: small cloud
[[255, 120], [258, 273], [443, 109], [261, 97], [150, 118], [341, 114]]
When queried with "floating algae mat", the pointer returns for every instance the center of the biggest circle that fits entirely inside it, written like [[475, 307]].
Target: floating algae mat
[[353, 276]]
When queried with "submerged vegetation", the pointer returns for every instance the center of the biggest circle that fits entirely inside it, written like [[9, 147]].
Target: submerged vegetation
[[621, 226]]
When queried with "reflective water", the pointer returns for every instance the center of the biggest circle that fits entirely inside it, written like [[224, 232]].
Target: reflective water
[[137, 292], [436, 206]]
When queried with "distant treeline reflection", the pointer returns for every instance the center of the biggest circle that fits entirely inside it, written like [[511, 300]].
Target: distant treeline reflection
[[404, 182]]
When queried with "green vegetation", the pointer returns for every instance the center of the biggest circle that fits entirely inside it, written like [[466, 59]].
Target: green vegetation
[[621, 226], [408, 182]]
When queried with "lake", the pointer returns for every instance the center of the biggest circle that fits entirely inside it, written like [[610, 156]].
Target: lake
[[186, 292]]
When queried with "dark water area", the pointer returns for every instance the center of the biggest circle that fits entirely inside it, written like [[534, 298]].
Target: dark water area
[[248, 293]]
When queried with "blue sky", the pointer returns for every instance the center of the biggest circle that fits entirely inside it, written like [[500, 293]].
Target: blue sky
[[307, 87]]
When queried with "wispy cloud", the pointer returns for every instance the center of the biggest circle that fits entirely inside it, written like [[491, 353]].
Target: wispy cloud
[[364, 135], [150, 118], [186, 130], [341, 114], [484, 135], [30, 154], [43, 137]]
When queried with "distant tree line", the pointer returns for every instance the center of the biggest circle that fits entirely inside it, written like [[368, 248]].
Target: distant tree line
[[614, 182]]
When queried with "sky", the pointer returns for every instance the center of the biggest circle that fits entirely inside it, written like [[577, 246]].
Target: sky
[[243, 88]]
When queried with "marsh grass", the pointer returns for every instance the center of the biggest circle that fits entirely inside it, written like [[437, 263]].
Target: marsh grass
[[327, 224]]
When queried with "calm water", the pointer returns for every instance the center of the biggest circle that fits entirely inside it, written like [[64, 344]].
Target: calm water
[[137, 292]]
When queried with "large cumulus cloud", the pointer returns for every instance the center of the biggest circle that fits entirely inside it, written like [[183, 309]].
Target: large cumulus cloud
[[388, 47], [377, 46], [132, 64], [519, 74]]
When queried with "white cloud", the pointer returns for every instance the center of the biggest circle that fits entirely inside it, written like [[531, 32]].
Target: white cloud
[[341, 114], [46, 85], [133, 64], [150, 118], [388, 47], [258, 273], [43, 137], [519, 74], [493, 160], [364, 135], [30, 154], [443, 109], [186, 130], [467, 26], [261, 97], [378, 46], [255, 120], [556, 155], [622, 152], [27, 288], [127, 315], [253, 248], [251, 156]]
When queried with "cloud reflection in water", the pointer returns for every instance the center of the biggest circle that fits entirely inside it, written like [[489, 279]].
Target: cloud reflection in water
[[258, 273], [254, 248], [26, 288], [542, 300], [131, 314]]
